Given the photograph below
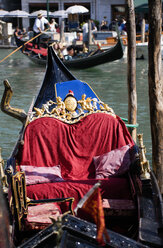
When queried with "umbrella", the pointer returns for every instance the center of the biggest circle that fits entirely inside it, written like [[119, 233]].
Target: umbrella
[[3, 12], [60, 13], [141, 6], [43, 12], [17, 13], [77, 9]]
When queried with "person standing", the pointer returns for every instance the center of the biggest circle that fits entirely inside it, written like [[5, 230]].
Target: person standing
[[85, 34], [122, 27], [18, 33], [93, 26], [38, 27], [53, 25]]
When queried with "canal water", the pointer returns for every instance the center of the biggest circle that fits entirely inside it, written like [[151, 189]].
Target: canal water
[[109, 81]]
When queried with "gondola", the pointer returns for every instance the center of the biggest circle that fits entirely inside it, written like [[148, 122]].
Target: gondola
[[75, 177], [81, 60]]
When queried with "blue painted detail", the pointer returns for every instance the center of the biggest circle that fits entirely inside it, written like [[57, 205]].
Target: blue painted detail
[[79, 88]]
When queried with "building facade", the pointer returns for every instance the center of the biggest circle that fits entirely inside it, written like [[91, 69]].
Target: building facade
[[10, 5], [98, 9]]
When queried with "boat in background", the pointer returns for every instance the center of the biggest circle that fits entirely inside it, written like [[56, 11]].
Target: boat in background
[[70, 140], [81, 60], [108, 39], [142, 49]]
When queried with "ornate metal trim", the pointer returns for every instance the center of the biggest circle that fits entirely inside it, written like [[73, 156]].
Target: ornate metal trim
[[71, 110]]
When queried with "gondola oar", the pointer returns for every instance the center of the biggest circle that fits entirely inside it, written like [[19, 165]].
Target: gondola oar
[[22, 46]]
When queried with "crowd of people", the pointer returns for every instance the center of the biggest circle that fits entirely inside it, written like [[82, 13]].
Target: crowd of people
[[68, 52], [38, 27], [85, 29], [20, 33], [41, 24], [121, 24]]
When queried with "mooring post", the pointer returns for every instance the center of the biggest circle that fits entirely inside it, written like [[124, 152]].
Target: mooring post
[[155, 84], [62, 34], [89, 33], [131, 69], [143, 31]]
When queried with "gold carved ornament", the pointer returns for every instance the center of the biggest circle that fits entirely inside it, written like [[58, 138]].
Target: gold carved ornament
[[145, 168], [71, 110]]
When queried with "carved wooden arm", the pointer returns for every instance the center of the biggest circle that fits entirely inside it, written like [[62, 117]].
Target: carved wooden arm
[[5, 104], [20, 201]]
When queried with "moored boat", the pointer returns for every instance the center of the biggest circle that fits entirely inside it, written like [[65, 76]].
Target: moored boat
[[70, 140], [81, 60]]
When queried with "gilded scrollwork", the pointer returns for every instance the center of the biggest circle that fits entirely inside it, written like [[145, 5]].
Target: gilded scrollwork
[[71, 110]]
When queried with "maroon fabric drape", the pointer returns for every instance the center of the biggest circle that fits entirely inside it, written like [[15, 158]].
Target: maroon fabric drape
[[50, 142], [112, 188]]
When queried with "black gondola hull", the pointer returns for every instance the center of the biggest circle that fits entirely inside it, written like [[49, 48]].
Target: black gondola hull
[[101, 57]]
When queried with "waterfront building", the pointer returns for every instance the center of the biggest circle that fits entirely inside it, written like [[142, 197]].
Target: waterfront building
[[10, 5], [98, 9]]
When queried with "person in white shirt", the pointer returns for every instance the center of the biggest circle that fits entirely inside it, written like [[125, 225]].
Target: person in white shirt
[[85, 33], [38, 27], [53, 25]]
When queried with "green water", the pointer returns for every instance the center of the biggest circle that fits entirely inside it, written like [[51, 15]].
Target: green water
[[109, 81]]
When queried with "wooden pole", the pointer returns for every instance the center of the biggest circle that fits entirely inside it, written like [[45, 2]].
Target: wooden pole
[[143, 31], [47, 7], [89, 33], [131, 69], [155, 83], [62, 35]]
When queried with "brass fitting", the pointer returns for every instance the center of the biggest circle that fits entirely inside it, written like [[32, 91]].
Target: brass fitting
[[145, 168]]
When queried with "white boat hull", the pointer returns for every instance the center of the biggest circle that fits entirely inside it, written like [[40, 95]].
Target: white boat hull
[[142, 50]]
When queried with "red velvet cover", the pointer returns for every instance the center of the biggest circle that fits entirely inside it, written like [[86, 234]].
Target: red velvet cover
[[112, 188], [50, 142], [42, 51]]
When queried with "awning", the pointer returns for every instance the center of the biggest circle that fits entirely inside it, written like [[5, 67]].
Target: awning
[[141, 6], [138, 3]]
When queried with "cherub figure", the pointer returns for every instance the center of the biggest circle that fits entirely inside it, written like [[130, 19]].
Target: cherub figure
[[89, 104], [60, 108], [83, 102], [94, 103], [45, 107]]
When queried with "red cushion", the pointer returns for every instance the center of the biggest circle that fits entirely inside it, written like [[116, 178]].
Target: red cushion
[[34, 175], [38, 216], [118, 204], [42, 51], [29, 45], [113, 163], [114, 188], [47, 210]]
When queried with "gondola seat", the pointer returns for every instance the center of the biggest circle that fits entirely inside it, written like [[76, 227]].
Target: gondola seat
[[49, 142], [60, 159], [33, 214], [41, 51]]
